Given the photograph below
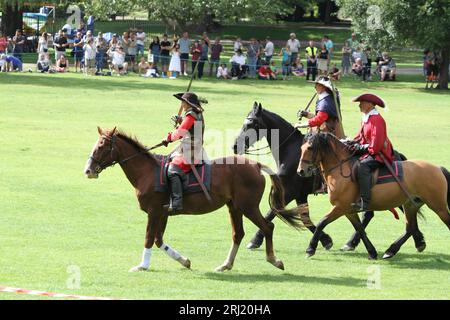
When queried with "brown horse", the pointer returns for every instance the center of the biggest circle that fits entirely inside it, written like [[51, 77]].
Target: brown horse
[[427, 183], [236, 182]]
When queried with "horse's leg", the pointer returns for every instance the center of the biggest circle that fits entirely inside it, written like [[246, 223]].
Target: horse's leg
[[258, 238], [355, 239], [185, 262], [354, 219], [330, 217], [238, 234], [267, 228], [152, 224], [395, 247], [324, 239], [419, 239]]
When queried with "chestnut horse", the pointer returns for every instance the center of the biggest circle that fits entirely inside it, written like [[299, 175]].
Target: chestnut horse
[[427, 183], [236, 182]]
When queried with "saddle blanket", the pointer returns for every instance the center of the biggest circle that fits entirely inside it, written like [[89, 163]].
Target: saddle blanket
[[191, 186], [384, 176]]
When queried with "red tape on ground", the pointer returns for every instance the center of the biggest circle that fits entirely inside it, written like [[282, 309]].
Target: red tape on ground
[[51, 294]]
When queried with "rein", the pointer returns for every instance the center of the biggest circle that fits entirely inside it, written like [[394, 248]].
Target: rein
[[251, 152], [113, 139], [339, 165]]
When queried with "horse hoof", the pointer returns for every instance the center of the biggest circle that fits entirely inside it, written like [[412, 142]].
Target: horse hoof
[[137, 269], [346, 248], [223, 268], [310, 253], [187, 263], [252, 245], [388, 255], [328, 245], [421, 247], [373, 257], [279, 264]]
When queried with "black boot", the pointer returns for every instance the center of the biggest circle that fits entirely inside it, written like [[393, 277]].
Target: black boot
[[364, 181], [176, 178]]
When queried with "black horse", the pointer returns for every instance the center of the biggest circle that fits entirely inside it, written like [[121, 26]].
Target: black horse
[[286, 151]]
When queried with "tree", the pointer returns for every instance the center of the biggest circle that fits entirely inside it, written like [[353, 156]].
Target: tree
[[423, 23], [202, 14]]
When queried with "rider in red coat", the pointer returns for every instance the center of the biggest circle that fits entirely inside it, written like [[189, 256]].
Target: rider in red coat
[[189, 152], [371, 141]]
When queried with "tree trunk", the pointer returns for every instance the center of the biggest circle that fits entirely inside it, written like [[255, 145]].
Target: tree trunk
[[443, 72], [327, 18], [11, 19]]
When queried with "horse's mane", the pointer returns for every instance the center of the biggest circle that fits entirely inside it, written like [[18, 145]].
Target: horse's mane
[[136, 144], [279, 118], [320, 141]]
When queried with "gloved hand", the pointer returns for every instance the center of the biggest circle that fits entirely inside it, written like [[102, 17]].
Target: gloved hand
[[176, 119], [165, 143], [302, 113], [360, 148]]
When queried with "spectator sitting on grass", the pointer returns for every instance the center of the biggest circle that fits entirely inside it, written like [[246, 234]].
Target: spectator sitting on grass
[[62, 65], [152, 71], [238, 66], [298, 70], [335, 73], [265, 73], [357, 67], [387, 66], [274, 68], [10, 63], [143, 66], [118, 61], [43, 64], [222, 72]]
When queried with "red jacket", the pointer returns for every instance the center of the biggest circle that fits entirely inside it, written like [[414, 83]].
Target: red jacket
[[374, 133]]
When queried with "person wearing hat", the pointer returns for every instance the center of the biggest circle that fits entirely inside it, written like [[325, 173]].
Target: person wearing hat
[[326, 115], [190, 151], [370, 142]]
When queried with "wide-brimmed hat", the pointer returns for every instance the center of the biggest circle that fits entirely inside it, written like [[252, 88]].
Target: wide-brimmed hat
[[325, 81], [191, 99], [370, 97]]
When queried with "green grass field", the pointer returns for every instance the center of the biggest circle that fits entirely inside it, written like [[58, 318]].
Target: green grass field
[[53, 217]]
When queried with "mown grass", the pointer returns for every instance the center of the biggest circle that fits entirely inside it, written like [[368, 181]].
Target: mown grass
[[53, 217]]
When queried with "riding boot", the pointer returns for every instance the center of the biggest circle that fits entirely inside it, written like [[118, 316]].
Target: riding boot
[[176, 178], [364, 181]]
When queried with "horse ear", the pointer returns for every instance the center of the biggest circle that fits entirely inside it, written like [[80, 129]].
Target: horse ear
[[259, 109], [100, 131], [255, 105], [113, 131]]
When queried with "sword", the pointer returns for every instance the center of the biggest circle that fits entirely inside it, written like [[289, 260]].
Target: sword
[[307, 107], [177, 117], [400, 183]]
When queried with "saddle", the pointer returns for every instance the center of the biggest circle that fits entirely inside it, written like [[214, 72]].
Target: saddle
[[381, 175], [190, 185]]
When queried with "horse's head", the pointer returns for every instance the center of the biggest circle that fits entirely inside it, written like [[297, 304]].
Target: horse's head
[[311, 153], [252, 130], [102, 155]]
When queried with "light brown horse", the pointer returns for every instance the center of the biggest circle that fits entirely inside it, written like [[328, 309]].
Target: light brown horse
[[427, 183], [236, 182]]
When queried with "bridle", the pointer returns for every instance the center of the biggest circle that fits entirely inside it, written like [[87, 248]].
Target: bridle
[[314, 162], [102, 165], [252, 152]]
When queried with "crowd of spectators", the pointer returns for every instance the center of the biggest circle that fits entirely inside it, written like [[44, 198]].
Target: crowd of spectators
[[172, 57]]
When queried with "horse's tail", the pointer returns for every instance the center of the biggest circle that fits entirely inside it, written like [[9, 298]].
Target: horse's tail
[[277, 203], [447, 177]]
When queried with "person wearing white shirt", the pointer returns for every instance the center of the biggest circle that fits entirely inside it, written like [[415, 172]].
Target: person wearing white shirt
[[222, 72], [238, 66], [118, 61], [90, 52], [294, 46], [237, 44], [268, 50], [140, 39]]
